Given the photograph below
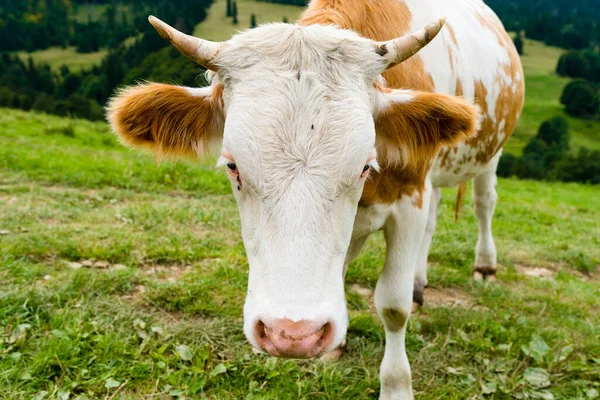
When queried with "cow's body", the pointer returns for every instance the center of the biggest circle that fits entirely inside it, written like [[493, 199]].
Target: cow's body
[[321, 152], [473, 57]]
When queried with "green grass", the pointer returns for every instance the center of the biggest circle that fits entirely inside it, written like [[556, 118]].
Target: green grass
[[56, 57], [218, 27], [165, 319], [85, 12], [542, 100]]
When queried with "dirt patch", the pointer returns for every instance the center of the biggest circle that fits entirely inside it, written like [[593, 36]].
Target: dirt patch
[[165, 273], [536, 272], [434, 297], [8, 199], [365, 292], [447, 297]]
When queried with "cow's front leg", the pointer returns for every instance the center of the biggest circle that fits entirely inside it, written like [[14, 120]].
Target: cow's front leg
[[404, 232], [484, 200], [421, 266]]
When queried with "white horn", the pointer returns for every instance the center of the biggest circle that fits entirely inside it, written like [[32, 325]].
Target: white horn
[[397, 50], [199, 50]]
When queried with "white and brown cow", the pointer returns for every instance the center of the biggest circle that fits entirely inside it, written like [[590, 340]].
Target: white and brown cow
[[329, 132]]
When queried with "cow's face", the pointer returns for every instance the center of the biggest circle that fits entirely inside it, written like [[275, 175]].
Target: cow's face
[[296, 107], [298, 143]]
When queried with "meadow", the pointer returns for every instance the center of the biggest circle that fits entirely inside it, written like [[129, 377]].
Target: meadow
[[123, 279], [56, 57]]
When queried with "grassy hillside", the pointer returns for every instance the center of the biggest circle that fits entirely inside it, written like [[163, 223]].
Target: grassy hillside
[[122, 278], [543, 86], [218, 27], [86, 12], [56, 57], [542, 100]]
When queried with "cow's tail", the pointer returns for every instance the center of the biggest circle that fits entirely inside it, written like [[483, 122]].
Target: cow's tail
[[460, 196]]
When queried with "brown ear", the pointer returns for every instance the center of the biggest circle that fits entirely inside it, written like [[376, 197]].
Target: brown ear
[[412, 126], [170, 120]]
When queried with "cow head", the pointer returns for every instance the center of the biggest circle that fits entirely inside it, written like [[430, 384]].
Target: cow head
[[295, 109]]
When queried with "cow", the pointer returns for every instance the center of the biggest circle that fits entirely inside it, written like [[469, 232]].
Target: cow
[[334, 127]]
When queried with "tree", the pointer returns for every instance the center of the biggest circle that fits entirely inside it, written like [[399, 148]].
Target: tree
[[506, 165], [519, 43], [542, 153], [583, 168], [580, 99], [555, 131], [228, 12], [284, 20], [531, 164], [252, 20], [555, 134], [573, 64], [572, 37], [234, 12], [593, 58]]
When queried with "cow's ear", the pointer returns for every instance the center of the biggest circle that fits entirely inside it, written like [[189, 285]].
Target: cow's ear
[[411, 126], [170, 120]]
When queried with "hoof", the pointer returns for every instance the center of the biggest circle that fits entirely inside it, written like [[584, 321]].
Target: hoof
[[485, 274], [333, 355]]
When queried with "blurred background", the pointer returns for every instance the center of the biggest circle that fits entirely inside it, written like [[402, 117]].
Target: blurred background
[[66, 57]]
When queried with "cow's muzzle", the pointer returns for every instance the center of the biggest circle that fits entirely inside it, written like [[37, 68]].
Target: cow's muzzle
[[289, 339]]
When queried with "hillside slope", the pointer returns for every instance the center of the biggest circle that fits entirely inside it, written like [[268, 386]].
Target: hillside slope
[[543, 86], [127, 279]]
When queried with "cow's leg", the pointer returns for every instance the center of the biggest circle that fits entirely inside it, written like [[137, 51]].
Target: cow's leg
[[421, 267], [484, 199], [404, 231], [356, 245]]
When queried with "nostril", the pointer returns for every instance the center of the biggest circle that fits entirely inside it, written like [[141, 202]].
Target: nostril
[[326, 333], [259, 330]]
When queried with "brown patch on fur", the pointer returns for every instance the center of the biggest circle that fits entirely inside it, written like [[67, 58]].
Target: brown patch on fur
[[452, 34], [166, 119], [459, 89], [509, 102], [409, 136], [460, 195], [381, 88], [394, 319]]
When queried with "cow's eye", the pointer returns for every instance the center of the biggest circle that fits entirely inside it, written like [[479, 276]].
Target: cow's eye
[[365, 170], [232, 166]]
